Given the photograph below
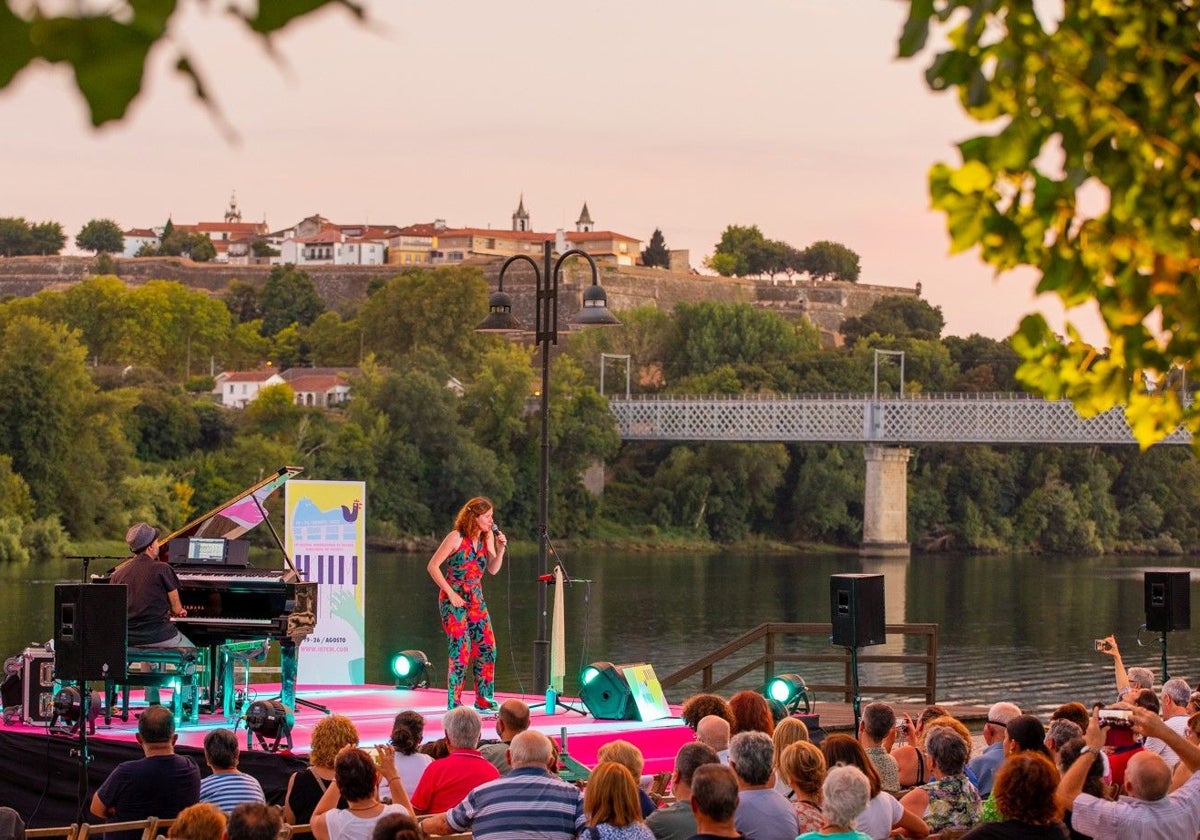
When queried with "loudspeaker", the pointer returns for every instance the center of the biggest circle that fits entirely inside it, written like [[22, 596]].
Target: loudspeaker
[[1168, 600], [607, 696], [856, 610], [89, 630]]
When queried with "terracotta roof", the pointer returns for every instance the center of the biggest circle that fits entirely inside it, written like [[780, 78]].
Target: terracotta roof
[[299, 372], [244, 228], [317, 383], [421, 229], [597, 235], [249, 375], [143, 232]]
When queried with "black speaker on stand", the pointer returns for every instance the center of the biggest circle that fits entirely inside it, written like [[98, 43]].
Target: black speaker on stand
[[857, 615], [1168, 602]]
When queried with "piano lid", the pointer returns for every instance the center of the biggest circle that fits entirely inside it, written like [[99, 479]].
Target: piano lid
[[235, 517]]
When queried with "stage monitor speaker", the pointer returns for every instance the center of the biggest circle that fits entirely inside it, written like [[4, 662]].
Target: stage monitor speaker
[[606, 694], [856, 610], [89, 630], [1168, 600]]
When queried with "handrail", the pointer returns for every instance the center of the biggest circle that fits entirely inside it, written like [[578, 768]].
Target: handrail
[[769, 634]]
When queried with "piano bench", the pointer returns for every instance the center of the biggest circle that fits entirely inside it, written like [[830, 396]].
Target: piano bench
[[162, 667]]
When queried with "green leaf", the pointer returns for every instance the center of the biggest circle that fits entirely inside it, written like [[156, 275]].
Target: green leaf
[[916, 28], [16, 48], [273, 15]]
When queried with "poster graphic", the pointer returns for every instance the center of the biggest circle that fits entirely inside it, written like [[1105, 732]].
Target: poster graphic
[[326, 538]]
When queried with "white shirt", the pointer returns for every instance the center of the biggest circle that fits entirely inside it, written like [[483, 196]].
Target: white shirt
[[881, 813]]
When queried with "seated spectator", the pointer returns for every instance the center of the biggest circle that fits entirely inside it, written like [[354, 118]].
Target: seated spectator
[[398, 827], [1058, 733], [1093, 784], [1024, 793], [407, 731], [762, 813], [356, 777], [529, 799], [676, 821], [226, 787], [627, 754], [448, 780], [1127, 682], [713, 731], [306, 787], [788, 731], [1025, 734], [844, 796], [253, 821], [1075, 712], [161, 784], [512, 719], [12, 827], [611, 803], [883, 815], [802, 766], [1192, 736], [700, 706], [435, 749], [909, 749], [750, 713], [995, 732], [202, 821], [950, 800], [1120, 746], [878, 726], [714, 802]]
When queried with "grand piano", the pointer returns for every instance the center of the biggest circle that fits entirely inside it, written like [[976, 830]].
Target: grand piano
[[227, 601]]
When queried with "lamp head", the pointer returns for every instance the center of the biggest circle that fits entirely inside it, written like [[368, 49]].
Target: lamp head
[[500, 318], [594, 312], [790, 690], [411, 669]]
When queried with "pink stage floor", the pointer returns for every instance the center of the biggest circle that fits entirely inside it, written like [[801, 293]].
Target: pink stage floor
[[372, 708]]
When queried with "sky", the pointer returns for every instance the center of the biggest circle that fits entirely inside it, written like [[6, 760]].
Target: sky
[[793, 115]]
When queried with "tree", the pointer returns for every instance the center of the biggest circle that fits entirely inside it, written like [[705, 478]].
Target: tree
[[15, 237], [742, 251], [656, 254], [108, 47], [243, 301], [102, 236], [289, 297], [826, 260], [47, 238], [1085, 174], [898, 316]]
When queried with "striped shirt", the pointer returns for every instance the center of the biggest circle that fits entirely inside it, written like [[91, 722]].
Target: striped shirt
[[527, 804], [228, 790]]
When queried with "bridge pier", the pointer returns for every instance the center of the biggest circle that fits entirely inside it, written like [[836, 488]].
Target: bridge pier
[[885, 506]]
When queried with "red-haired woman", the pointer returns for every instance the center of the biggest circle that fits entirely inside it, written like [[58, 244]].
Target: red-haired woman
[[466, 552]]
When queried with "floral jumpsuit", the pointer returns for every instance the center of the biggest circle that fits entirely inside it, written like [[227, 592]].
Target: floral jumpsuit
[[468, 628]]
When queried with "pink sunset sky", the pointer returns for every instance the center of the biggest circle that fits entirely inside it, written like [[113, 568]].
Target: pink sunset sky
[[687, 116]]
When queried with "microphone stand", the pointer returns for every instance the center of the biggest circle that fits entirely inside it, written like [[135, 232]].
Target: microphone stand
[[553, 701]]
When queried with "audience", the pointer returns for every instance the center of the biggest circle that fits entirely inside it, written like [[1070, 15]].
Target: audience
[[700, 706], [512, 719], [226, 787], [306, 787], [1192, 736], [530, 799], [762, 813], [202, 821], [161, 784], [750, 713], [1024, 792], [714, 802], [788, 731], [883, 814], [610, 801], [407, 731], [909, 747], [844, 796], [1059, 733], [1136, 678], [713, 731], [625, 753], [398, 827], [1176, 694], [355, 777], [253, 821], [878, 727], [676, 821], [803, 768], [949, 800], [995, 733], [447, 780]]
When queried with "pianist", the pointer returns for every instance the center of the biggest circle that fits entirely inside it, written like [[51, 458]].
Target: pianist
[[153, 595]]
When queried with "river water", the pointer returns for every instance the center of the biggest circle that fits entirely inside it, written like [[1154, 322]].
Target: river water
[[1012, 627]]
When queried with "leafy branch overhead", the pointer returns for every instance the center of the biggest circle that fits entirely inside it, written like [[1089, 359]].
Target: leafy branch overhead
[[108, 48], [1088, 173]]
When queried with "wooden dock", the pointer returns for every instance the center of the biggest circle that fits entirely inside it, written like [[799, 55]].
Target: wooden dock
[[839, 717]]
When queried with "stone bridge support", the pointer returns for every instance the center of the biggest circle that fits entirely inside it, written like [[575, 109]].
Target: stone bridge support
[[885, 506]]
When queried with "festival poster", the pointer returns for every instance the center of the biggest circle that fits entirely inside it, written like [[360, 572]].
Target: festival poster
[[326, 538]]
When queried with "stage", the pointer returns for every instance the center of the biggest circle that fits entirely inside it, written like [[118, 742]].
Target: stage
[[40, 775]]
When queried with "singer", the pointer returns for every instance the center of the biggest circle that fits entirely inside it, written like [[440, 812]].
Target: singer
[[475, 544]]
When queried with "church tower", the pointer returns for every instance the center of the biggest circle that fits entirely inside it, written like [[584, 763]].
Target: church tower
[[520, 218], [584, 223], [233, 214]]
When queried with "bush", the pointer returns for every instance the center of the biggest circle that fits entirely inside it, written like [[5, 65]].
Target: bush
[[11, 550], [45, 538]]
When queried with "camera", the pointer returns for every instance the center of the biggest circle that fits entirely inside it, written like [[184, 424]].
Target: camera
[[1116, 717], [1103, 645]]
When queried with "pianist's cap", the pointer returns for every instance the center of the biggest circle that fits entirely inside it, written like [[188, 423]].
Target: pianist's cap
[[140, 536]]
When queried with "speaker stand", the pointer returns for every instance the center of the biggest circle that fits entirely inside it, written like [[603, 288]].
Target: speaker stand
[[855, 699], [1162, 643]]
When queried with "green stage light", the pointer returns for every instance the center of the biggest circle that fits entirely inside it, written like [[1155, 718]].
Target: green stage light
[[411, 669], [790, 690], [592, 671]]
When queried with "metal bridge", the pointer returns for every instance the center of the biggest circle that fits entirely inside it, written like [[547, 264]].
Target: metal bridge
[[862, 418]]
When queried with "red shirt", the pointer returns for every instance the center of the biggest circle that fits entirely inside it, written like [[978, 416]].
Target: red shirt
[[447, 781]]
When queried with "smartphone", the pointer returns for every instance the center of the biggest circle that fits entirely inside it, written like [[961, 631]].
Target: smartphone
[[1103, 645]]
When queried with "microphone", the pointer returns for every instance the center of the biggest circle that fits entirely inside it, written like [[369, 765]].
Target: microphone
[[495, 529]]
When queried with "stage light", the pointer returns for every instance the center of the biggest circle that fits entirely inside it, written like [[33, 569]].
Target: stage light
[[411, 669], [68, 706], [790, 690], [270, 719], [592, 671]]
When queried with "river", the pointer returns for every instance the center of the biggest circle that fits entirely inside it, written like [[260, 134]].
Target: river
[[1012, 627]]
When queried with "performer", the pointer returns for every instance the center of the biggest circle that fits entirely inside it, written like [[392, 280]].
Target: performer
[[467, 550]]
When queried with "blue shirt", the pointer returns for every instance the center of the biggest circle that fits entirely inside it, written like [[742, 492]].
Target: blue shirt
[[228, 790], [527, 803]]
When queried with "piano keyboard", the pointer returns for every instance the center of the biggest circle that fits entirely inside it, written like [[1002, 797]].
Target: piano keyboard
[[217, 621]]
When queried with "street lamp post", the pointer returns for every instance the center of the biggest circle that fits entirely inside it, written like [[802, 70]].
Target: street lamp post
[[500, 319]]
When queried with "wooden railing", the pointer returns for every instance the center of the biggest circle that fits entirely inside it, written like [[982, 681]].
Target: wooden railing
[[769, 635]]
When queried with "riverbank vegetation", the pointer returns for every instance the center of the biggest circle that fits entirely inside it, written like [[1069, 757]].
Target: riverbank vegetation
[[108, 417]]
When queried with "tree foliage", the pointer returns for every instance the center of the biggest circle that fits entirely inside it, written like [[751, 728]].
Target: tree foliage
[[827, 260], [656, 254], [896, 316], [1087, 174], [20, 238], [100, 235], [289, 297]]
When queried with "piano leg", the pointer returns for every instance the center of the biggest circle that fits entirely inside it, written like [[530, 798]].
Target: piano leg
[[288, 667]]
